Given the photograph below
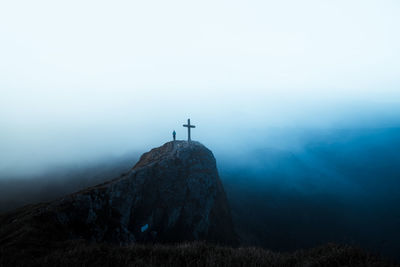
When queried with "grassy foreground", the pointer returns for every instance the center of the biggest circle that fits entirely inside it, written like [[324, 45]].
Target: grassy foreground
[[80, 253]]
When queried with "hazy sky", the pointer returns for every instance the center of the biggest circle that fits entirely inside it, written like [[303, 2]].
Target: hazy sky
[[85, 79]]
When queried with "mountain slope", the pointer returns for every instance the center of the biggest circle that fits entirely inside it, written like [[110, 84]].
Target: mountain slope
[[172, 194]]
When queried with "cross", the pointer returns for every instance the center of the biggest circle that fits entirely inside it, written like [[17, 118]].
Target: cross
[[189, 126]]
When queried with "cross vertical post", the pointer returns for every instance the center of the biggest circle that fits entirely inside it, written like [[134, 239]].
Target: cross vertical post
[[188, 125]]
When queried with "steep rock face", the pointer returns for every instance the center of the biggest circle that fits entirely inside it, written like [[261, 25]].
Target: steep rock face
[[172, 194]]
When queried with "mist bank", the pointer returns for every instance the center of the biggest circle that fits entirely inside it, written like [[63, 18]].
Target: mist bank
[[343, 158], [32, 140], [320, 186], [346, 161]]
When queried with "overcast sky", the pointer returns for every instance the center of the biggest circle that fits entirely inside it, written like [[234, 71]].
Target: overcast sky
[[86, 79]]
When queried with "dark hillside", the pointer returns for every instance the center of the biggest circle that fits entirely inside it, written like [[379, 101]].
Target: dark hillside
[[80, 253]]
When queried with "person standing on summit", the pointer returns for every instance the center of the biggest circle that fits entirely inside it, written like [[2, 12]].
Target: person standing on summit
[[174, 135]]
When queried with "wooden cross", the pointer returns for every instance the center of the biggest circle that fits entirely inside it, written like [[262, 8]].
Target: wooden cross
[[188, 125]]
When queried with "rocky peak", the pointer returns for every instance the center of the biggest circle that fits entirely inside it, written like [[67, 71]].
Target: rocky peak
[[172, 194], [176, 149]]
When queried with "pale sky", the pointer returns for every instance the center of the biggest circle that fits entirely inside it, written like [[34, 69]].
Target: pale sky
[[85, 79]]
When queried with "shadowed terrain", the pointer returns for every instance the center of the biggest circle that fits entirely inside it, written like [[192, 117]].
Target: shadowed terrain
[[80, 253], [340, 186]]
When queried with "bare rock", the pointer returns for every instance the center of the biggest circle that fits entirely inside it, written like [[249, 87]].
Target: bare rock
[[172, 194]]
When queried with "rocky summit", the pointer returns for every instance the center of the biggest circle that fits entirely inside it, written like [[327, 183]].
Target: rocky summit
[[172, 194]]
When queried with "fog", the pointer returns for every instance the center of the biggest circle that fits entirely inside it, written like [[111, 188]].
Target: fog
[[81, 81], [298, 100], [340, 186]]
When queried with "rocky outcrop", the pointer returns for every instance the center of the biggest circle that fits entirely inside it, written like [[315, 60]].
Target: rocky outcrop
[[172, 194]]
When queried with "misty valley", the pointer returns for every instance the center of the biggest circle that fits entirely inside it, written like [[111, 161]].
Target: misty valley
[[335, 186]]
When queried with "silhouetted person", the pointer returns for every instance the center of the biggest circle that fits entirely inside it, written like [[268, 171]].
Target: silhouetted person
[[174, 135]]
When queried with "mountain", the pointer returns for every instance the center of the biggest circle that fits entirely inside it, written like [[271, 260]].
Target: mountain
[[172, 194]]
